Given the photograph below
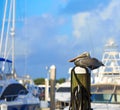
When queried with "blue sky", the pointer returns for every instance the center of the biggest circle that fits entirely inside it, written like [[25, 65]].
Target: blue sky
[[54, 31]]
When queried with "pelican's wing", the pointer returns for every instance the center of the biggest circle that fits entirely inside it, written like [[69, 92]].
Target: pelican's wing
[[85, 54]]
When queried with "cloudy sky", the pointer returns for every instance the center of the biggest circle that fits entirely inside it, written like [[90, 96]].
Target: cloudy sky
[[50, 32]]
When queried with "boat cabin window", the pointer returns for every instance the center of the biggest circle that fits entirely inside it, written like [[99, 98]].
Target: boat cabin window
[[102, 88], [106, 98], [12, 91], [100, 97], [64, 89], [105, 93]]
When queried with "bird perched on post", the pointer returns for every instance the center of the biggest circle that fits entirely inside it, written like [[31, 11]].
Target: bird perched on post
[[84, 60]]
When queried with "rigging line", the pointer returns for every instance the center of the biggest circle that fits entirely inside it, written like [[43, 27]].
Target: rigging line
[[6, 42], [24, 20], [3, 25], [5, 59], [8, 27]]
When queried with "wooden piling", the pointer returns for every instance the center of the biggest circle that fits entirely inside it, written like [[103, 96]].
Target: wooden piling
[[52, 86], [46, 89], [83, 76]]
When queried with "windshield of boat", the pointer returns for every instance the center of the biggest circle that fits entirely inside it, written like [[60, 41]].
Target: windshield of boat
[[63, 89], [106, 98]]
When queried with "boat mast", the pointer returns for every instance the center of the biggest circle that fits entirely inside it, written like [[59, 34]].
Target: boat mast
[[13, 35], [8, 29]]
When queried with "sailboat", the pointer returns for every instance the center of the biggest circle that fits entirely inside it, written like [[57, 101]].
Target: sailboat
[[13, 94], [105, 90]]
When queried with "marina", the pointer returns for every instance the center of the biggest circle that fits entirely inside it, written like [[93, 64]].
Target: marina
[[92, 84]]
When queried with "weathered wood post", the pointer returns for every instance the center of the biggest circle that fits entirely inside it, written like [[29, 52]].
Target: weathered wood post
[[52, 86], [46, 89], [80, 77]]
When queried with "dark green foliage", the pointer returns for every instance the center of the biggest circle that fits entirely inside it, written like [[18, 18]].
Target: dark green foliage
[[61, 80], [39, 81]]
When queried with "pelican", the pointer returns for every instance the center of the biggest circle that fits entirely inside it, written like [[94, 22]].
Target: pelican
[[85, 60]]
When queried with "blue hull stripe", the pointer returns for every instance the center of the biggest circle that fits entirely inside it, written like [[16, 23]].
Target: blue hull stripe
[[24, 107]]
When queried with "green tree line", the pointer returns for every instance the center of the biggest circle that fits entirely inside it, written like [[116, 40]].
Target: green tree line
[[39, 81]]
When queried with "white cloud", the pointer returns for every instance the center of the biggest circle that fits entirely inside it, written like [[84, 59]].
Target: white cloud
[[40, 33], [111, 10], [80, 19], [98, 23], [79, 22], [62, 39]]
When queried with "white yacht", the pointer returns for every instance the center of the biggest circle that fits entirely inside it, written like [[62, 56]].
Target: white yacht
[[63, 92], [106, 87], [14, 96], [63, 95]]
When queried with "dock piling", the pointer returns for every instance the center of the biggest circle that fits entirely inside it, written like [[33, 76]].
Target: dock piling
[[52, 86]]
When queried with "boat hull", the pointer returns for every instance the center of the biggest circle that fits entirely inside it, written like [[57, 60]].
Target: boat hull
[[24, 107], [104, 106]]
